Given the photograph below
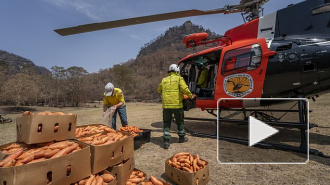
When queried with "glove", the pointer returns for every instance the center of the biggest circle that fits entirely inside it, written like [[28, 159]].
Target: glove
[[193, 96]]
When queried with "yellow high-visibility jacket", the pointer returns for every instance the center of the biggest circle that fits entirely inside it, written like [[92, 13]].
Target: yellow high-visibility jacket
[[172, 89], [202, 80]]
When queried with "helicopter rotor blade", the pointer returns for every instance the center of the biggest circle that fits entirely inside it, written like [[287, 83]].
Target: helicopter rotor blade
[[134, 21]]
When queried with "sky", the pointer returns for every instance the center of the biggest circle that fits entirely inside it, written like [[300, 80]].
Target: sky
[[27, 26]]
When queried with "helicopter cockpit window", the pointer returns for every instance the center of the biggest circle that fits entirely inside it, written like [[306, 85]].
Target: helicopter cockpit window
[[248, 58]]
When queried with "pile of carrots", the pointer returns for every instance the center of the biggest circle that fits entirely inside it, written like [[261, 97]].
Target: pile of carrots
[[25, 155], [28, 113], [187, 162], [100, 138], [100, 178], [136, 177], [134, 130], [93, 129]]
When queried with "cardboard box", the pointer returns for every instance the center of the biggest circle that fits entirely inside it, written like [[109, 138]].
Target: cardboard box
[[103, 156], [40, 128], [37, 173], [123, 172], [185, 178]]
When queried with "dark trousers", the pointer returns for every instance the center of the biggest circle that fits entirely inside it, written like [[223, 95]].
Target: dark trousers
[[167, 119], [123, 117]]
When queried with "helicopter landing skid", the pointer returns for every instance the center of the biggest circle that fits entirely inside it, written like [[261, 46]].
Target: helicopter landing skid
[[268, 119]]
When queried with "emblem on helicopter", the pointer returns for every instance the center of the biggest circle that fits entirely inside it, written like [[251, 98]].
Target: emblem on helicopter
[[238, 85]]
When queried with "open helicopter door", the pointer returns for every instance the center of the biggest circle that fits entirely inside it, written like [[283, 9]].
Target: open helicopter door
[[242, 69]]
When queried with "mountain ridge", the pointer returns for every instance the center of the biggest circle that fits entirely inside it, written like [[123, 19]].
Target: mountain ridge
[[15, 64]]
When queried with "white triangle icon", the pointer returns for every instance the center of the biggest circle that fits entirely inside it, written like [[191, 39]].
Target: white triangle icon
[[259, 131]]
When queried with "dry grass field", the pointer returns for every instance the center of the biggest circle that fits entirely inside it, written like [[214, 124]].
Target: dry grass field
[[151, 156]]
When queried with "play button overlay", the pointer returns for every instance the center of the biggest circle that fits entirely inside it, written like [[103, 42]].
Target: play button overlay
[[258, 131], [262, 130]]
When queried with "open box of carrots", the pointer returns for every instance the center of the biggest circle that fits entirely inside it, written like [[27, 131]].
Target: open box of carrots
[[45, 126], [187, 169], [63, 162]]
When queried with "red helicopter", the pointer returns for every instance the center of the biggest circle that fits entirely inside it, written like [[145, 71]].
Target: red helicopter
[[285, 54]]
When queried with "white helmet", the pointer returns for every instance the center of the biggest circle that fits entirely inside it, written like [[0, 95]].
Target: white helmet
[[174, 68]]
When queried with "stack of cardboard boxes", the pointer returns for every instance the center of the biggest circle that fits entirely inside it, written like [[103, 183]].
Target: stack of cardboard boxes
[[37, 129], [116, 157]]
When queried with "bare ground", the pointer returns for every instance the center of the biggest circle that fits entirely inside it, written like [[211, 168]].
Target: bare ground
[[151, 157]]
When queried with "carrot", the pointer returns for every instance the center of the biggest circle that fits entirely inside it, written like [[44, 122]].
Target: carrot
[[25, 154], [26, 113], [10, 163], [107, 177], [99, 180], [56, 128], [99, 142], [155, 181], [60, 145], [83, 182], [38, 160], [175, 165], [65, 151], [124, 137], [39, 154], [195, 164], [135, 180], [146, 183], [184, 161], [28, 159], [187, 165], [14, 145], [19, 163], [94, 181], [187, 169], [200, 163], [191, 158], [13, 150], [11, 157], [58, 113], [140, 174], [90, 180], [49, 153], [48, 113]]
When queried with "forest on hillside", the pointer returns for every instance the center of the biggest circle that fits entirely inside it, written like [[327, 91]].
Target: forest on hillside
[[24, 83]]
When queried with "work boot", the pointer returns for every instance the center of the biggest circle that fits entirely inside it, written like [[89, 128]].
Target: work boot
[[183, 139], [166, 143]]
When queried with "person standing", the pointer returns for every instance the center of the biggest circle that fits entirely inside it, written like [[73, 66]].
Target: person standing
[[114, 97], [172, 88]]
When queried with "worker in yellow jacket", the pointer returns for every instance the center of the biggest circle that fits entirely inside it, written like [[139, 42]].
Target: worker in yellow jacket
[[202, 80], [172, 88], [114, 97]]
